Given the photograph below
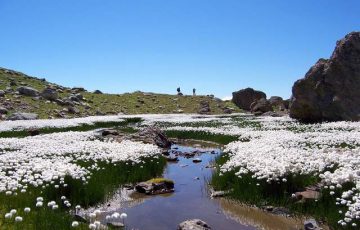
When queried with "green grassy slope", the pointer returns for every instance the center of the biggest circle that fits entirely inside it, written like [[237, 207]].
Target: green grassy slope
[[128, 103]]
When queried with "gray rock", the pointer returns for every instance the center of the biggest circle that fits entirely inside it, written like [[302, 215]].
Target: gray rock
[[156, 135], [2, 93], [3, 110], [194, 224], [154, 188], [245, 97], [28, 91], [50, 94], [204, 107], [311, 224], [72, 109], [260, 106], [97, 92], [22, 116], [215, 194], [330, 89]]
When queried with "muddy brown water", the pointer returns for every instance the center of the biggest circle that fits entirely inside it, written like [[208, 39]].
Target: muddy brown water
[[191, 200]]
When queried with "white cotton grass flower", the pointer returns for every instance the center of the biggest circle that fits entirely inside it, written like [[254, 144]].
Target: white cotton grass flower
[[97, 224], [92, 226], [115, 215], [39, 204], [8, 215], [97, 212], [27, 210], [75, 224], [123, 216], [18, 219], [13, 211]]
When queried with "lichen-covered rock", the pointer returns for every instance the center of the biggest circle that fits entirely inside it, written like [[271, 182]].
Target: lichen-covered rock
[[245, 97], [330, 89]]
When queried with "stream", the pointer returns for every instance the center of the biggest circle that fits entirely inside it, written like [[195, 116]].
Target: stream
[[191, 200]]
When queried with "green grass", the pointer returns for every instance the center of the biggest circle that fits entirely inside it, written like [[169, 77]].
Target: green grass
[[260, 193], [204, 136], [101, 186]]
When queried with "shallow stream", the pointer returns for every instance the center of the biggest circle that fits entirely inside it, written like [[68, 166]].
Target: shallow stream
[[191, 200]]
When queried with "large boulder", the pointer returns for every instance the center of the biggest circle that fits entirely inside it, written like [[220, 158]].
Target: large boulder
[[330, 89], [277, 103], [28, 91], [244, 97], [154, 135], [260, 106], [22, 116]]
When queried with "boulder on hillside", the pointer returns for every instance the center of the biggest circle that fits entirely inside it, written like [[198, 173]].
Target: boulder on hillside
[[204, 107], [27, 91], [22, 116], [244, 97], [260, 106], [2, 93], [330, 89], [50, 94], [97, 92]]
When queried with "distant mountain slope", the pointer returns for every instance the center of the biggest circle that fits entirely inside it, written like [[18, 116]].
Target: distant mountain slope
[[77, 102]]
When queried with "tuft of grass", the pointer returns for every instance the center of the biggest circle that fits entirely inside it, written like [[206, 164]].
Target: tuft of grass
[[160, 180], [204, 136]]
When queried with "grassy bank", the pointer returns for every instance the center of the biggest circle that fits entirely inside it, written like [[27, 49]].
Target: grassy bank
[[279, 194], [203, 136], [101, 186]]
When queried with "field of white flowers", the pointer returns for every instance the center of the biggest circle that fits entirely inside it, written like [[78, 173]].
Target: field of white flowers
[[268, 148]]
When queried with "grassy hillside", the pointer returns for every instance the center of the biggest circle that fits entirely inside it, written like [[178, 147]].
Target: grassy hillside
[[96, 104]]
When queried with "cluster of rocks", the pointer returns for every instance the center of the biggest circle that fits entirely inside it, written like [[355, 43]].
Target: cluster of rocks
[[255, 101], [50, 94], [155, 186]]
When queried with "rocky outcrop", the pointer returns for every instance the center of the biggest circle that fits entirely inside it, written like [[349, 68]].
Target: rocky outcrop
[[194, 224], [330, 89], [245, 97]]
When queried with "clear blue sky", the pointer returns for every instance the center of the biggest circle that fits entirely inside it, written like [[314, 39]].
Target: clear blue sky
[[151, 45]]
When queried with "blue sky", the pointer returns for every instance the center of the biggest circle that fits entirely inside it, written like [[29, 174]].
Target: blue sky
[[157, 45]]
